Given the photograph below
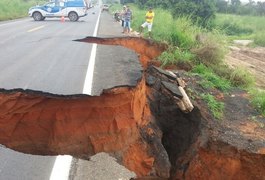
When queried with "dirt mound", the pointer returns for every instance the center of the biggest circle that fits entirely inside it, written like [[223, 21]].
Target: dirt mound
[[251, 58]]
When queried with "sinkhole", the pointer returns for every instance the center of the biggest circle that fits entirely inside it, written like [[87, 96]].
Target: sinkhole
[[145, 126]]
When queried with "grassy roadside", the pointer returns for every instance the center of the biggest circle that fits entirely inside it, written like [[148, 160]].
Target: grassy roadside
[[200, 52], [242, 27], [12, 9]]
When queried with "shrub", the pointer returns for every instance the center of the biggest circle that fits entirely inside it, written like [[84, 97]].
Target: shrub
[[179, 32], [177, 38], [259, 39], [212, 50], [202, 12], [241, 77], [258, 100], [232, 29], [184, 32]]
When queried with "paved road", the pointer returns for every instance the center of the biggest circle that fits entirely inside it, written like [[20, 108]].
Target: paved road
[[18, 166], [114, 65], [42, 56]]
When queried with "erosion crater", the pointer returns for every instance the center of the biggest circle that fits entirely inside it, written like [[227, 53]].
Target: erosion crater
[[143, 126]]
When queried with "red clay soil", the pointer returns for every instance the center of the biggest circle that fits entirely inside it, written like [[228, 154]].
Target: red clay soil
[[142, 125], [218, 161], [78, 125]]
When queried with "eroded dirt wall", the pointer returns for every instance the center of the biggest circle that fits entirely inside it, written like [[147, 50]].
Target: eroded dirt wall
[[46, 124], [218, 160], [37, 124], [81, 126]]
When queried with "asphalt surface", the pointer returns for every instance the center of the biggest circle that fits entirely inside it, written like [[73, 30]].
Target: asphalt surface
[[114, 65], [18, 166], [41, 56]]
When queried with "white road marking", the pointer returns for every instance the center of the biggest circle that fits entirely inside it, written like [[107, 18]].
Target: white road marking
[[62, 164], [61, 168], [35, 29], [90, 69]]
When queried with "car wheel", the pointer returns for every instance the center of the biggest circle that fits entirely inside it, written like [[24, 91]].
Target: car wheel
[[37, 16], [73, 16], [43, 18]]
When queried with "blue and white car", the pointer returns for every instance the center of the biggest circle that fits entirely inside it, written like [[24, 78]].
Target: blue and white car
[[73, 9]]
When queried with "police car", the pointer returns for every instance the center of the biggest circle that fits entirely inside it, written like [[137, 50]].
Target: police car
[[73, 9]]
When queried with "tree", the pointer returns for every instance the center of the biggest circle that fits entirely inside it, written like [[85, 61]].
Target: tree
[[201, 11], [222, 6], [155, 3], [261, 8], [235, 5], [249, 8]]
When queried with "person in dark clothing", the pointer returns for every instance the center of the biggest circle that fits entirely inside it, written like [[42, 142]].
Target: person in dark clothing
[[127, 20]]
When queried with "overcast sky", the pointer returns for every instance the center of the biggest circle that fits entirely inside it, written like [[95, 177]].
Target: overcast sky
[[254, 0]]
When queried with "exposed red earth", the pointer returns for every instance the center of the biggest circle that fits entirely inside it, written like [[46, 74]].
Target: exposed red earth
[[141, 125]]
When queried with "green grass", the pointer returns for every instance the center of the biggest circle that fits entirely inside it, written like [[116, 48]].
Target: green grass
[[12, 9], [259, 39], [258, 100], [176, 56], [242, 27], [255, 23], [215, 107], [210, 79]]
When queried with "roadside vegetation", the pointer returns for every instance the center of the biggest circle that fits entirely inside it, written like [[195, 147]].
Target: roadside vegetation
[[258, 99], [215, 106], [12, 9], [242, 27], [200, 48]]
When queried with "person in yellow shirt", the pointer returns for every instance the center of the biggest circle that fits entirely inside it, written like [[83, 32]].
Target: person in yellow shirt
[[149, 18]]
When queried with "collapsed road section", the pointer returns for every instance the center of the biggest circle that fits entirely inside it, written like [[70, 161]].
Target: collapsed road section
[[151, 127]]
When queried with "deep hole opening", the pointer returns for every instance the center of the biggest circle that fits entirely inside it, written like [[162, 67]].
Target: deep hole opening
[[179, 130]]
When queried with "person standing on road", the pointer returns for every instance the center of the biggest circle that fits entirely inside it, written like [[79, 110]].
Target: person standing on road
[[127, 20], [123, 11], [149, 18]]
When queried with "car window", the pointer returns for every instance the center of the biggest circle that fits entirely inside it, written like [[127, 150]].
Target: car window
[[50, 4]]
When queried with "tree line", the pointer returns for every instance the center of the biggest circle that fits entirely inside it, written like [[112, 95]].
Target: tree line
[[203, 12], [237, 7]]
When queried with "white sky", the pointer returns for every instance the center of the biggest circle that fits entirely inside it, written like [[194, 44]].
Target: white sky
[[254, 0]]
